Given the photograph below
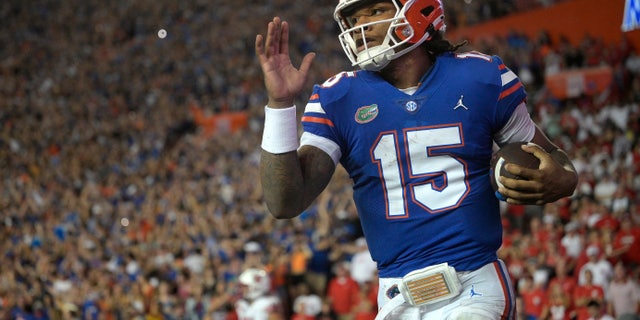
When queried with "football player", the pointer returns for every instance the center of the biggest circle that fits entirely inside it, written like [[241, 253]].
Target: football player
[[414, 128], [257, 303]]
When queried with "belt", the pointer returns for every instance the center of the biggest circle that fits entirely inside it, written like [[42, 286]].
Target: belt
[[423, 287]]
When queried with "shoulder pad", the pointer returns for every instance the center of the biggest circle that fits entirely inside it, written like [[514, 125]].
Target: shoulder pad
[[480, 64], [335, 87]]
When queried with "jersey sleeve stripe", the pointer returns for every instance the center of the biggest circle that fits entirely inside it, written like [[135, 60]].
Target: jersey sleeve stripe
[[312, 119], [328, 146], [314, 107], [508, 77], [512, 89]]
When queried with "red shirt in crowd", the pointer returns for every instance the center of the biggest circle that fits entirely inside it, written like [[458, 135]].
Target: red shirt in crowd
[[583, 294], [628, 237], [534, 301], [567, 283], [342, 291]]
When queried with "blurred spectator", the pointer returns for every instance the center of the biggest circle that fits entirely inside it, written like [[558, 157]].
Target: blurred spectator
[[306, 305], [627, 240], [516, 263], [600, 268], [533, 297], [196, 305], [342, 291], [253, 255], [558, 304], [195, 261], [586, 293], [563, 277], [322, 245], [605, 189], [623, 294], [220, 302], [596, 312], [257, 301], [366, 302], [299, 259], [572, 241], [319, 267], [327, 313], [363, 268]]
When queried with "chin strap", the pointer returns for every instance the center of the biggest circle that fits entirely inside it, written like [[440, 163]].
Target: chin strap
[[374, 59]]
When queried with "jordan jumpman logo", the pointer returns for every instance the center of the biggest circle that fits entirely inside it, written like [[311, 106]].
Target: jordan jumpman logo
[[460, 104], [473, 292]]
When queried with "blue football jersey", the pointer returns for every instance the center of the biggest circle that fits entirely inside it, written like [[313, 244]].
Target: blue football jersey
[[420, 162]]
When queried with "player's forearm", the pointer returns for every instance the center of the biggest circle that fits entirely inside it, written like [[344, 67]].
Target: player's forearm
[[282, 184], [280, 167], [569, 176]]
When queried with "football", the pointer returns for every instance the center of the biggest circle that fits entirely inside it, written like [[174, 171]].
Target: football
[[510, 153]]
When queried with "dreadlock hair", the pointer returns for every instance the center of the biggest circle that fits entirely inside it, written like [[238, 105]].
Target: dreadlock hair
[[438, 45]]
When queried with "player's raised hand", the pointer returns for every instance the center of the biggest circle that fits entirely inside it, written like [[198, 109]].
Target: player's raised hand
[[282, 80]]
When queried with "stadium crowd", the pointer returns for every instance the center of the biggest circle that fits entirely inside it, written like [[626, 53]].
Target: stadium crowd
[[116, 206]]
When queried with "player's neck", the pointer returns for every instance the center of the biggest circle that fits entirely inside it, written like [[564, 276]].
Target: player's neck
[[407, 71]]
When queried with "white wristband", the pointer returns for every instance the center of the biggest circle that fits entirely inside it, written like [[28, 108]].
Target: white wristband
[[280, 133]]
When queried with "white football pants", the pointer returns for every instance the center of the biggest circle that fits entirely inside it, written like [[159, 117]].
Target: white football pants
[[486, 294]]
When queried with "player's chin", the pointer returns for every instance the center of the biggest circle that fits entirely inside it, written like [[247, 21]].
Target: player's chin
[[369, 45]]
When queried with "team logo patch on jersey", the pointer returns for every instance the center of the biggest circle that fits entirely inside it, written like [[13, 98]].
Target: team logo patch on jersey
[[367, 113], [393, 291], [411, 106]]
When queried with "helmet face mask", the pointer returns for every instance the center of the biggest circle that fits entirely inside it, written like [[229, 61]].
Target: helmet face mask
[[256, 282], [414, 22]]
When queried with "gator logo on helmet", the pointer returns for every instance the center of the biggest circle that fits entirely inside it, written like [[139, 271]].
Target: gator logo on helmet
[[367, 113]]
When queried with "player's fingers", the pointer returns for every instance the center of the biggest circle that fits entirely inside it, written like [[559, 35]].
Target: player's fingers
[[272, 44], [259, 47], [306, 62], [283, 42], [268, 42], [525, 199], [523, 172], [515, 196], [524, 202], [277, 36], [536, 150], [261, 53], [522, 185]]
